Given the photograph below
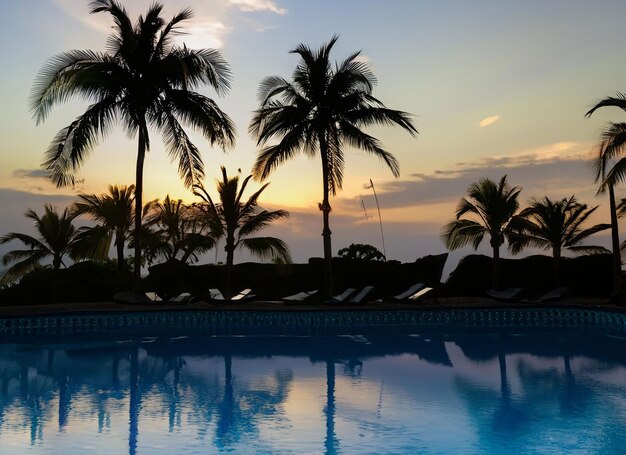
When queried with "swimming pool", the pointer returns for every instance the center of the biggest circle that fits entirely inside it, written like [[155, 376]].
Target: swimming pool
[[457, 381]]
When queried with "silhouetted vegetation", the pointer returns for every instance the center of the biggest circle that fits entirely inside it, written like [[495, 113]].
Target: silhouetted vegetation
[[236, 219], [361, 251], [143, 80], [557, 225], [492, 210], [323, 108]]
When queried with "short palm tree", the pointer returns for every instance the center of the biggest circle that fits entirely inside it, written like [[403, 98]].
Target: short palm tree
[[557, 225], [142, 81], [57, 238], [491, 208], [114, 212], [236, 220], [610, 169], [321, 111], [177, 230]]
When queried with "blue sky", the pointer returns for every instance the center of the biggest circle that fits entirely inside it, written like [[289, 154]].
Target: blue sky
[[495, 88]]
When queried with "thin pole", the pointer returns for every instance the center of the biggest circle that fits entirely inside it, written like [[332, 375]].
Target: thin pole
[[380, 220]]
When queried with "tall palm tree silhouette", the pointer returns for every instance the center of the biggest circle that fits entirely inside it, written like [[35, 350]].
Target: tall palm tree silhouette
[[142, 81], [57, 238], [557, 225], [492, 209], [236, 220], [610, 169], [322, 110], [114, 212]]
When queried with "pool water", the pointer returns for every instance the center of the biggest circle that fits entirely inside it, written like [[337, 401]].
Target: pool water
[[419, 389]]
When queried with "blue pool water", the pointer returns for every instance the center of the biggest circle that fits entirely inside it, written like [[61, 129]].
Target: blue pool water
[[448, 382]]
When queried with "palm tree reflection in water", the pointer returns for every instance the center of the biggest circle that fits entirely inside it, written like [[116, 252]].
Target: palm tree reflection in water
[[235, 393]]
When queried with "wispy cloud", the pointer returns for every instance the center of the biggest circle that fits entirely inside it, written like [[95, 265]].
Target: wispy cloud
[[258, 5], [489, 121], [30, 173]]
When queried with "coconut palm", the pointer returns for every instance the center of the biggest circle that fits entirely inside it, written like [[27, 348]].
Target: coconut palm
[[491, 208], [610, 169], [57, 238], [236, 220], [143, 81], [177, 229], [322, 110], [557, 225], [114, 212]]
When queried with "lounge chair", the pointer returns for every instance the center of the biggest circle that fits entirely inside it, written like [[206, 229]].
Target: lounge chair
[[243, 295], [153, 297], [300, 296], [362, 295], [410, 292], [181, 298], [507, 295], [555, 294], [215, 294], [343, 296], [420, 295]]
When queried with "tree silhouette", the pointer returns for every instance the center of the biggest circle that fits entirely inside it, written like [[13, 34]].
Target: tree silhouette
[[142, 81], [491, 208], [177, 230], [114, 212], [57, 238], [236, 220], [321, 111], [361, 251], [610, 169], [557, 225]]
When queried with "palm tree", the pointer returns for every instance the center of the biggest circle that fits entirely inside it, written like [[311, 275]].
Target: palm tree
[[236, 220], [177, 228], [557, 225], [143, 80], [114, 212], [323, 109], [57, 238], [492, 209], [611, 152]]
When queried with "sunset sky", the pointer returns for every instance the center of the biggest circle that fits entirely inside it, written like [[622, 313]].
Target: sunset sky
[[495, 87]]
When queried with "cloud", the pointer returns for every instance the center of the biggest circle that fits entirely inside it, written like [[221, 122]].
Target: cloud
[[30, 173], [258, 5], [556, 170], [488, 121]]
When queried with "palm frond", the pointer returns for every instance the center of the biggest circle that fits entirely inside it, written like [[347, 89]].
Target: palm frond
[[267, 248], [459, 233]]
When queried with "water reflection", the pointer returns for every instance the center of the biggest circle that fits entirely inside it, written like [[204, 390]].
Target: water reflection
[[436, 392]]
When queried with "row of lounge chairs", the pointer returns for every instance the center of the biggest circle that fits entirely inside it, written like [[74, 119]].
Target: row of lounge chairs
[[521, 295], [415, 293]]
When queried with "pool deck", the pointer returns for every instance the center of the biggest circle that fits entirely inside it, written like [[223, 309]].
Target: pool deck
[[441, 303]]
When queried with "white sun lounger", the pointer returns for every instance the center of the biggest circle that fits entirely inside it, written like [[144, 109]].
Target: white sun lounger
[[300, 296], [243, 295], [181, 298], [409, 293], [362, 295], [343, 296]]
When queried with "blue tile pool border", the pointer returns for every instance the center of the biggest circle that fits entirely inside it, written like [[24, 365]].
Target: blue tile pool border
[[318, 322]]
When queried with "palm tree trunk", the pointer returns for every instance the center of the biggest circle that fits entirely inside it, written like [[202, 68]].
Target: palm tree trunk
[[141, 154], [617, 260], [496, 268], [230, 259], [326, 232], [119, 244], [556, 258]]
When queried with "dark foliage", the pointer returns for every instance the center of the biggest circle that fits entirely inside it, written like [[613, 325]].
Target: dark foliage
[[82, 282], [584, 276]]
